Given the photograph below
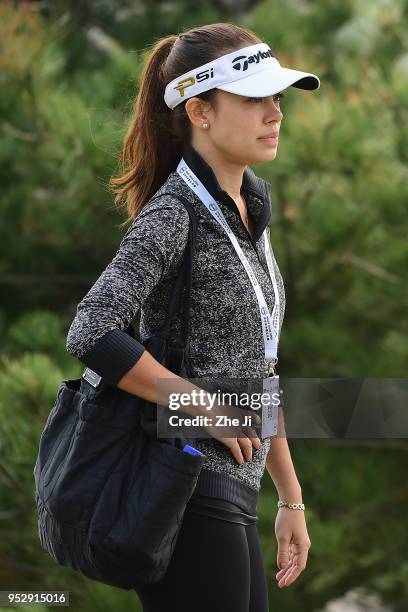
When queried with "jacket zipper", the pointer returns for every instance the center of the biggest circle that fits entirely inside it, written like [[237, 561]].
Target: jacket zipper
[[250, 238]]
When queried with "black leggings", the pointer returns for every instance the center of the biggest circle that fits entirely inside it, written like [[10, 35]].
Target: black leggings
[[216, 566]]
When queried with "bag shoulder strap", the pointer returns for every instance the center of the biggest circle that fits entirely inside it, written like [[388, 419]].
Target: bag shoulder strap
[[184, 278]]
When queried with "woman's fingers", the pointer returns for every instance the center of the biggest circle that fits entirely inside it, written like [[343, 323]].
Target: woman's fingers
[[235, 432], [237, 451], [246, 446], [241, 448], [296, 565], [233, 446], [252, 435], [281, 574], [291, 575]]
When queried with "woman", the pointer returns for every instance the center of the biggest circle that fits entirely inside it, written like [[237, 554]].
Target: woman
[[208, 106]]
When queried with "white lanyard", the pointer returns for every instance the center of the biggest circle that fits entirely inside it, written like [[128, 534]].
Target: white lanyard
[[270, 323]]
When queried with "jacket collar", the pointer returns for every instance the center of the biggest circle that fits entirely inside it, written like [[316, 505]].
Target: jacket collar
[[255, 189]]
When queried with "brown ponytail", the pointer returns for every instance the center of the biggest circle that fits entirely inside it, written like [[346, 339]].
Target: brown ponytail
[[156, 135]]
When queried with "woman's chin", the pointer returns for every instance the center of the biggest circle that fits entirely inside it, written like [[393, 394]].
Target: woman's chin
[[265, 156]]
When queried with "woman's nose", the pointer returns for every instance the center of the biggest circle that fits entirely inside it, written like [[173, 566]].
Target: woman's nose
[[274, 112], [274, 118]]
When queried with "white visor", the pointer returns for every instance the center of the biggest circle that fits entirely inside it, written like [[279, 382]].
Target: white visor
[[251, 71]]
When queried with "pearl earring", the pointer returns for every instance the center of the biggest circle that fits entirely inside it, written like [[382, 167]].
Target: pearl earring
[[205, 125]]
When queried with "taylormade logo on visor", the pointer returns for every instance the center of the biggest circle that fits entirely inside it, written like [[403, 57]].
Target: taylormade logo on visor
[[251, 59]]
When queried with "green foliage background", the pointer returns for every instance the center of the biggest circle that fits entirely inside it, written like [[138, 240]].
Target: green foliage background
[[68, 75]]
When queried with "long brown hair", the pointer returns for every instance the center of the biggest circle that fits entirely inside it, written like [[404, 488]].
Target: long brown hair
[[156, 135]]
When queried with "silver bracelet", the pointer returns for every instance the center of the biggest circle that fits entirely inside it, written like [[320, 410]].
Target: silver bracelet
[[300, 506]]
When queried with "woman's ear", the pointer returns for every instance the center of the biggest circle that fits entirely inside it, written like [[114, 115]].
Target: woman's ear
[[197, 111]]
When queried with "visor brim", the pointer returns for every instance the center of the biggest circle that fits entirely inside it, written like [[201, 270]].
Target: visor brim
[[270, 82]]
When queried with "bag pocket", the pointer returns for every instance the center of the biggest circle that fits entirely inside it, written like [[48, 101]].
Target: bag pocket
[[55, 437], [57, 417], [78, 450], [92, 456], [153, 508]]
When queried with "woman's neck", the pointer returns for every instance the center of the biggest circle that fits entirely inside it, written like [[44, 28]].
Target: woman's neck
[[229, 174]]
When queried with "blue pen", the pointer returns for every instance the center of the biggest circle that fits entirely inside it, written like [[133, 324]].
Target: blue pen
[[190, 449]]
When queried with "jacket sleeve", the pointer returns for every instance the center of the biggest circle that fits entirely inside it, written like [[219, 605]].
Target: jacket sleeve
[[153, 245]]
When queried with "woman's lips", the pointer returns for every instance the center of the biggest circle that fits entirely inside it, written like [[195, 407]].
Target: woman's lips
[[270, 139]]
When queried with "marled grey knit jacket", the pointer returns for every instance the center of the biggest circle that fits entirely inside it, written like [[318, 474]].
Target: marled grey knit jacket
[[226, 335]]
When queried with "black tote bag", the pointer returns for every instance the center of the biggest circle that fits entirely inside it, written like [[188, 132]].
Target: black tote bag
[[111, 495]]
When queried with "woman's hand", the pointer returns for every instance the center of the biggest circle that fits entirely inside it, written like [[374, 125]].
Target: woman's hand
[[239, 438], [293, 544], [233, 426]]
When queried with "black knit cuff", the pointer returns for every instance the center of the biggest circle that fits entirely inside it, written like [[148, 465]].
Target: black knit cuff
[[113, 355]]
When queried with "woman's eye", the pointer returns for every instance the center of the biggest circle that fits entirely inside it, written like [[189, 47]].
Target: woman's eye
[[277, 98]]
